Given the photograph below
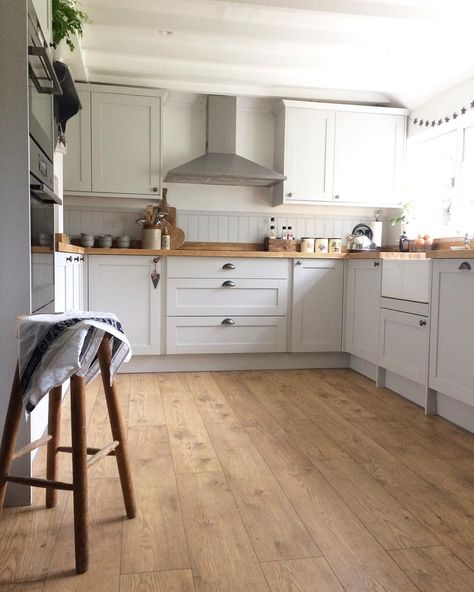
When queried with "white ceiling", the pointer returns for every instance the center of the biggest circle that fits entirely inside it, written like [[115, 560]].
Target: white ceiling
[[386, 51]]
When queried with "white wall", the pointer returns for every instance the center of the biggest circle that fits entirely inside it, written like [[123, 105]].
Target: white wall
[[445, 103], [207, 212]]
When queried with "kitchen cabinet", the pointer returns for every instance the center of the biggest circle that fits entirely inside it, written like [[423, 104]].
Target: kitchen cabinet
[[77, 163], [369, 150], [70, 281], [218, 305], [316, 324], [122, 285], [451, 367], [361, 311], [304, 150], [338, 154], [114, 146]]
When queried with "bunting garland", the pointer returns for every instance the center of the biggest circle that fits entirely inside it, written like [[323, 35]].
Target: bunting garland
[[447, 118]]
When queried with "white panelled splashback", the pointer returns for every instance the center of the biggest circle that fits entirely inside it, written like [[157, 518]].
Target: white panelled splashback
[[210, 226]]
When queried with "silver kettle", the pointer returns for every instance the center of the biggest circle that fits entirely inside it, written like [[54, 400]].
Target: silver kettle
[[359, 242]]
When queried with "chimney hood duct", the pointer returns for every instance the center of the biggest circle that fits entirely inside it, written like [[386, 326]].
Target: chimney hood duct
[[221, 165]]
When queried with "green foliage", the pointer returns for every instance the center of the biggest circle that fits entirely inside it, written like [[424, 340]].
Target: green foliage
[[404, 216], [67, 20]]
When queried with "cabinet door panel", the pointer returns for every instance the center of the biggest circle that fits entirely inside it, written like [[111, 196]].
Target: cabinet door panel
[[317, 306], [404, 343], [205, 335], [309, 146], [125, 143], [122, 285], [368, 152], [451, 359], [210, 297], [362, 309], [77, 161]]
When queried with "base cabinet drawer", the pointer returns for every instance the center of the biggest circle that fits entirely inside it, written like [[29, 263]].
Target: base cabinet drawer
[[195, 297], [404, 344], [226, 267], [225, 335]]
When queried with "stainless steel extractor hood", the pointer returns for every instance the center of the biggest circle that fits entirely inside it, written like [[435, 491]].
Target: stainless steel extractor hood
[[221, 165]]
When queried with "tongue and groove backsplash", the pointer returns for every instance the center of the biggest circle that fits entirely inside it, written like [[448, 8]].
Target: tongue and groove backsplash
[[212, 226]]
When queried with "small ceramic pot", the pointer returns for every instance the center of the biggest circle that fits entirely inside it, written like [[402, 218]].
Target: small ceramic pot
[[87, 240], [105, 241], [123, 242]]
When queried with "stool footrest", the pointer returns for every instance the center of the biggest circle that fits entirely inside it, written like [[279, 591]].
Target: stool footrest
[[34, 482], [102, 453], [89, 450], [31, 446]]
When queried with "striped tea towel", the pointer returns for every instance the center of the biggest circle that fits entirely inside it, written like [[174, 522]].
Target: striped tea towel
[[54, 347]]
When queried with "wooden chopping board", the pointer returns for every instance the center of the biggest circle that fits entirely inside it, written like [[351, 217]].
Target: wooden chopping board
[[177, 238]]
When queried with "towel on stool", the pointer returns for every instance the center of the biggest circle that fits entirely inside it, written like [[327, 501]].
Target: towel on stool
[[53, 347]]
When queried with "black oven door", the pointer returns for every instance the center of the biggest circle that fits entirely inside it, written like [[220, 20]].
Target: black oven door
[[42, 255]]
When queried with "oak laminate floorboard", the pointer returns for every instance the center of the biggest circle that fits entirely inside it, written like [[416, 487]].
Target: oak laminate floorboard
[[145, 407], [106, 513], [357, 559], [155, 539], [449, 523], [190, 443], [161, 581], [273, 525], [435, 569], [308, 463], [301, 575], [222, 556]]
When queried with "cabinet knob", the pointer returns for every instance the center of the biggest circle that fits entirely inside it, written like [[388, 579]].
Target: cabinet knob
[[376, 263], [155, 189], [299, 262], [69, 259], [337, 196], [290, 194], [228, 266], [422, 323], [228, 284], [228, 322], [465, 265]]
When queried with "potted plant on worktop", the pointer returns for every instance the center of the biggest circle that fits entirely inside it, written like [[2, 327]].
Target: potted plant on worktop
[[68, 21]]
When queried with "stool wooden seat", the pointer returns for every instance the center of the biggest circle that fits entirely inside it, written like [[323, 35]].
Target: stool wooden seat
[[79, 450]]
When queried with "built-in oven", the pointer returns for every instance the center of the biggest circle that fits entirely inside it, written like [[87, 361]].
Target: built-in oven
[[43, 84]]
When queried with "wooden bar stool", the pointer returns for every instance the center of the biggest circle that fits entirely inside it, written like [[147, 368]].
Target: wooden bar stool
[[79, 450]]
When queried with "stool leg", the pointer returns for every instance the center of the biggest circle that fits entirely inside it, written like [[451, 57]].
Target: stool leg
[[79, 472], [54, 427], [10, 431], [118, 430]]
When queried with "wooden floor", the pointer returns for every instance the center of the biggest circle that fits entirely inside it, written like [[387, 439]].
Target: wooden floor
[[275, 481]]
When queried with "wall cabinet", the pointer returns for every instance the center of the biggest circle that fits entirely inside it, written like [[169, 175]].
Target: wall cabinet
[[70, 282], [451, 355], [114, 146], [122, 285], [361, 316], [217, 305], [316, 324], [338, 153]]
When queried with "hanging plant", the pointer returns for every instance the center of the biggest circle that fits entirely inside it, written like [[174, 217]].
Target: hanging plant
[[67, 21]]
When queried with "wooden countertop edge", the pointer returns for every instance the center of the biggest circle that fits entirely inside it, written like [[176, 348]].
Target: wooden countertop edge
[[203, 252]]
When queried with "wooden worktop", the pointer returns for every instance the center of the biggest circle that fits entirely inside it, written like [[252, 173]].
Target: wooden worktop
[[238, 250]]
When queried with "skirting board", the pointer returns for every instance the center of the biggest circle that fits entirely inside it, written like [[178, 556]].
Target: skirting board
[[216, 362]]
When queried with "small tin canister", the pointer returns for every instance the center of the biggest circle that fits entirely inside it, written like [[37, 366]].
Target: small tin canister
[[335, 245], [307, 244], [321, 245]]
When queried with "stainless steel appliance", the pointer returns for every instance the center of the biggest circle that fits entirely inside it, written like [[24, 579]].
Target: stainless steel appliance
[[43, 84]]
